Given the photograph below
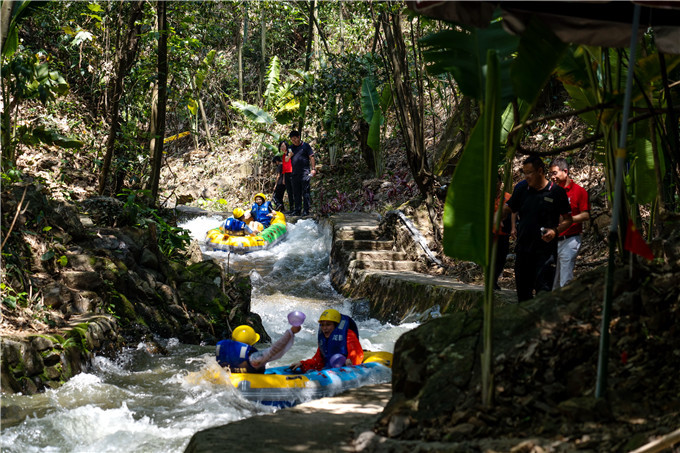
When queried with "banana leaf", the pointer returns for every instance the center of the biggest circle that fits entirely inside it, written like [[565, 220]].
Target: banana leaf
[[253, 113], [369, 99], [373, 140], [462, 53]]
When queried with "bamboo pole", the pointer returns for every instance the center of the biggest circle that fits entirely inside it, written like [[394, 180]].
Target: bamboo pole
[[660, 444]]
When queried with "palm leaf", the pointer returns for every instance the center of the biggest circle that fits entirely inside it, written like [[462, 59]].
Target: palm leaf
[[253, 113], [273, 80]]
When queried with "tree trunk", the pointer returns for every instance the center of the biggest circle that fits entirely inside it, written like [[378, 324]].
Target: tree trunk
[[205, 123], [263, 51], [308, 58], [158, 108], [453, 138], [239, 51], [341, 21], [5, 19], [126, 53], [409, 110], [310, 35]]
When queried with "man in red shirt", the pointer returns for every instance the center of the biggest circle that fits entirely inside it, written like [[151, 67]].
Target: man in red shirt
[[569, 242]]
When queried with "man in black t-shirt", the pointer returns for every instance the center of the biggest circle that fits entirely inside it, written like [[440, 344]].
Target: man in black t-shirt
[[304, 168], [544, 212]]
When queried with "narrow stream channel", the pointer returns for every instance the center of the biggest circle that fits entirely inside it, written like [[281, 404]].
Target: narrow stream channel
[[142, 402]]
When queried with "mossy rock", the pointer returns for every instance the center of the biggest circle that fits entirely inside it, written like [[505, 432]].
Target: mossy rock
[[123, 308]]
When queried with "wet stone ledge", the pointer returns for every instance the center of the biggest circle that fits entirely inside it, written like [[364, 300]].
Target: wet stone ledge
[[33, 363]]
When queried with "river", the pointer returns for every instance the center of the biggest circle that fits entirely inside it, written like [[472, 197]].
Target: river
[[143, 402]]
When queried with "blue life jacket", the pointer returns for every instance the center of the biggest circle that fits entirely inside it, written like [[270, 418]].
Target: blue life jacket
[[234, 356], [261, 213], [234, 225], [336, 343]]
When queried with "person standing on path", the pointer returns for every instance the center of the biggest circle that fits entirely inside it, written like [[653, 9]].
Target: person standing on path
[[304, 168], [544, 213], [280, 187], [569, 242], [287, 170]]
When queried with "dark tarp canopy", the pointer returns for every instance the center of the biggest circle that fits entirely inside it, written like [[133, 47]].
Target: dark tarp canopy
[[603, 23]]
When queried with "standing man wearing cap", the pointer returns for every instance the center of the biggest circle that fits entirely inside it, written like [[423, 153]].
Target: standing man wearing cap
[[569, 241], [304, 167]]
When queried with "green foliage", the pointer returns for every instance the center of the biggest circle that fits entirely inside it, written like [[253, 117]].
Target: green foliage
[[28, 76], [335, 99], [462, 53], [523, 79], [11, 298], [78, 334], [466, 210], [253, 113], [65, 342], [171, 239], [42, 135], [370, 106], [594, 77], [11, 41], [273, 80]]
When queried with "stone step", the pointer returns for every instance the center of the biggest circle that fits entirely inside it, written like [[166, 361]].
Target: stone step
[[364, 245], [385, 265], [357, 233], [378, 255]]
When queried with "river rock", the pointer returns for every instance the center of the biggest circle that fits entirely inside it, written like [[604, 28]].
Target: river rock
[[40, 343], [436, 364], [56, 295], [148, 259], [32, 360], [104, 211], [11, 352], [83, 280]]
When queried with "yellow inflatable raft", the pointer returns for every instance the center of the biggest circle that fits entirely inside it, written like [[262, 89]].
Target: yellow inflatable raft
[[219, 239]]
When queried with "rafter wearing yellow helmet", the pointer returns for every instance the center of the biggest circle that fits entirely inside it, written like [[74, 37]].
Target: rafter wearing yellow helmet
[[262, 210], [338, 336], [239, 355], [234, 226]]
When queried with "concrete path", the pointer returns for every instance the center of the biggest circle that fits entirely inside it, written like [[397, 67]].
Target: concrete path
[[324, 425]]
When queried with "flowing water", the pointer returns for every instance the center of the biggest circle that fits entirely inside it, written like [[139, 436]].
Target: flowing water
[[144, 403]]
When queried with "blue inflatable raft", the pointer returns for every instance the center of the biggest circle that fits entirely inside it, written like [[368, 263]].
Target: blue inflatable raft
[[278, 387]]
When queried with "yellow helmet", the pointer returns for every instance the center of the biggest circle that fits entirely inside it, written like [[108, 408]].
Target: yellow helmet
[[330, 315], [264, 197], [245, 334], [238, 213]]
